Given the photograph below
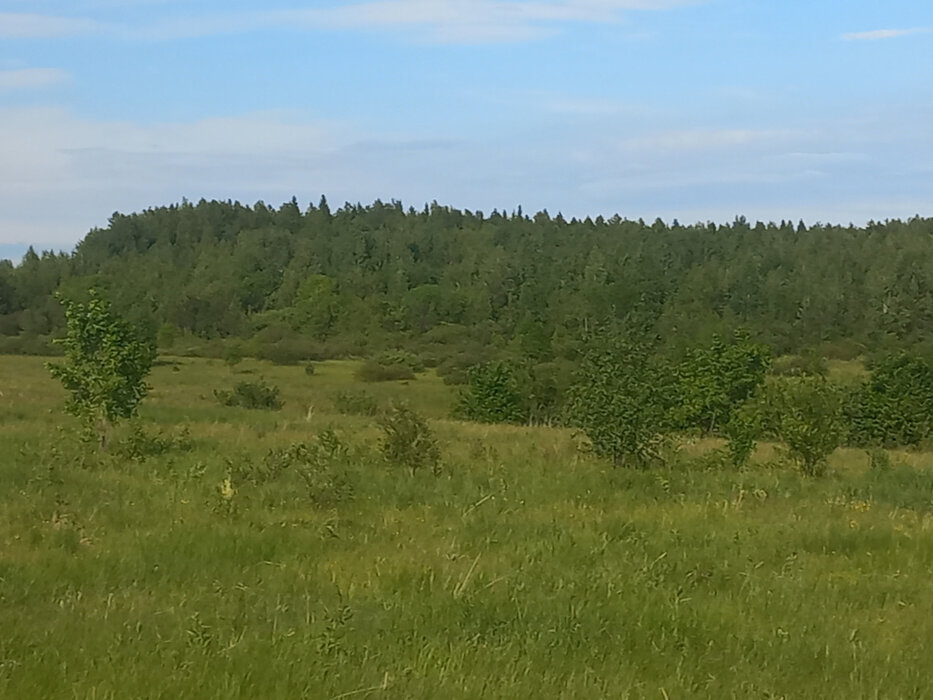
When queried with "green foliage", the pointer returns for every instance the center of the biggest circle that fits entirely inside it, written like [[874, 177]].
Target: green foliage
[[373, 371], [315, 308], [493, 395], [167, 335], [255, 395], [391, 358], [407, 440], [350, 402], [347, 578], [806, 365], [809, 420], [895, 405], [742, 432], [105, 367], [140, 445], [321, 465], [715, 380], [382, 276], [288, 351], [233, 355], [621, 401]]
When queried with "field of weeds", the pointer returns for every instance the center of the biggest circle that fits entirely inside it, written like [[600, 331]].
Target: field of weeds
[[218, 552]]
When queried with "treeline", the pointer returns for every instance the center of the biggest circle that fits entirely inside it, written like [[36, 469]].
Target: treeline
[[630, 399], [462, 287]]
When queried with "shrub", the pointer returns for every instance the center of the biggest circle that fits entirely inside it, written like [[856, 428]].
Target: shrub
[[621, 401], [808, 365], [27, 344], [493, 395], [408, 441], [372, 371], [742, 432], [808, 414], [233, 355], [715, 380], [401, 357], [321, 464], [139, 445], [291, 351], [256, 395], [105, 367], [895, 406], [355, 403]]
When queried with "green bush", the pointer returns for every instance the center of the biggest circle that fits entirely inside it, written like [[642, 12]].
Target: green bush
[[106, 365], [493, 395], [895, 406], [233, 355], [322, 465], [717, 379], [355, 403], [621, 401], [255, 395], [807, 365], [139, 445], [742, 432], [391, 358], [407, 441], [808, 415], [27, 344], [289, 351], [372, 371]]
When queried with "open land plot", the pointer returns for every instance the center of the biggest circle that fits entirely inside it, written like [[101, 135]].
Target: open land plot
[[201, 567]]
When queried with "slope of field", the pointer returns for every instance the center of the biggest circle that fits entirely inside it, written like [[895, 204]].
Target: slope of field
[[524, 569]]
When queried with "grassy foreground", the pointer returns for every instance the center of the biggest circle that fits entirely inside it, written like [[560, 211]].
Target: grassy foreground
[[523, 570]]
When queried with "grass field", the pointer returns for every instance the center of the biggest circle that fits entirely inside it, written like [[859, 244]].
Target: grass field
[[523, 570]]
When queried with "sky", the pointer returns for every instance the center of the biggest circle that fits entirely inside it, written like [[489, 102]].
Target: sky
[[697, 110]]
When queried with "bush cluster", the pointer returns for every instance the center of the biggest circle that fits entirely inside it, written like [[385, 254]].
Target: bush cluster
[[355, 403], [254, 395], [373, 371]]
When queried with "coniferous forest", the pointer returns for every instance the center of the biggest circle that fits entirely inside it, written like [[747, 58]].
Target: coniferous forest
[[295, 283]]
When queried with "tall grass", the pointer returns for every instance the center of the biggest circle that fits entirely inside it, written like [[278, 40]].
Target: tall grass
[[522, 569]]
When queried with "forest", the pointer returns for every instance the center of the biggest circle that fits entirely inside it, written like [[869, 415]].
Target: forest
[[297, 284]]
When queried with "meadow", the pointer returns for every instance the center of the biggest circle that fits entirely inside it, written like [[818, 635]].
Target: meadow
[[200, 562]]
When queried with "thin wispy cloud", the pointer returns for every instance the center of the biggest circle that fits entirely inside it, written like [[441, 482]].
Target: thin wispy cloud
[[26, 78], [439, 21], [473, 21], [18, 25], [879, 34]]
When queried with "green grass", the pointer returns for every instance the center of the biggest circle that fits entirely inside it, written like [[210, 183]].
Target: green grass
[[524, 570]]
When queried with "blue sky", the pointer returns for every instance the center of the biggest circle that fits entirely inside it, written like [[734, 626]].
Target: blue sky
[[696, 110]]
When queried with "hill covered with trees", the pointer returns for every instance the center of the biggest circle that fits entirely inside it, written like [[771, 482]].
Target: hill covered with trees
[[441, 281]]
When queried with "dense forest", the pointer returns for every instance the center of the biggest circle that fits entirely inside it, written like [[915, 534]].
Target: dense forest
[[441, 281]]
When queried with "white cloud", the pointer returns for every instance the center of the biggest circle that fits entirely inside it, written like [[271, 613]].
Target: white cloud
[[15, 25], [25, 78], [472, 21], [686, 140], [438, 21], [878, 34]]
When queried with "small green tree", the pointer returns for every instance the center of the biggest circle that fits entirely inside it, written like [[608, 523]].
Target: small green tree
[[717, 379], [742, 432], [621, 400], [493, 395], [808, 417], [408, 441], [895, 406], [105, 367]]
